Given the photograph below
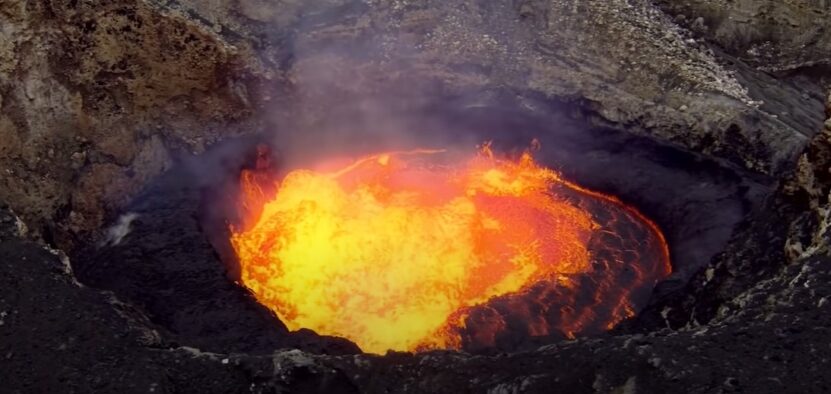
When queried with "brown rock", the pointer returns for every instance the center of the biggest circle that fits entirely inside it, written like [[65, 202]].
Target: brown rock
[[78, 81], [100, 185]]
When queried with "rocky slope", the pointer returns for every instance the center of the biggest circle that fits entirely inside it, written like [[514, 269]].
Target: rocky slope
[[98, 99], [95, 98], [772, 35], [59, 336]]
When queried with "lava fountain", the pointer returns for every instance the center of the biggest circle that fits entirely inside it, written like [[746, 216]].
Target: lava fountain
[[426, 249]]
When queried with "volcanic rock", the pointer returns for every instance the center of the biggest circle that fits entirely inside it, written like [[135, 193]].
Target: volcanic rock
[[707, 115], [771, 342], [176, 76], [772, 35], [59, 336], [87, 89]]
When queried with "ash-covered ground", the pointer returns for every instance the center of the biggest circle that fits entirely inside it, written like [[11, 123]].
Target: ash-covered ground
[[710, 117]]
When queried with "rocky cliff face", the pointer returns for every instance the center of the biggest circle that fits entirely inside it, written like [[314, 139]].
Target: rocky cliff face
[[772, 35], [98, 99]]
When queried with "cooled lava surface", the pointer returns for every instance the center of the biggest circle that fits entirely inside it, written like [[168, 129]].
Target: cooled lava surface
[[431, 249]]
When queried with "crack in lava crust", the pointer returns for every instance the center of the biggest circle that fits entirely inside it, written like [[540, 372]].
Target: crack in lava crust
[[426, 249]]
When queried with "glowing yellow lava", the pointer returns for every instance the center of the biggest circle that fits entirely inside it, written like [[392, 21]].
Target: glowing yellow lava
[[390, 251]]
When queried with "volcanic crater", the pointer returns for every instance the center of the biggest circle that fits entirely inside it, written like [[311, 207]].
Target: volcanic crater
[[414, 196], [655, 203]]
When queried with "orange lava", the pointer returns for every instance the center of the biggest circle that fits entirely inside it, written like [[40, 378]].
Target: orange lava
[[396, 250]]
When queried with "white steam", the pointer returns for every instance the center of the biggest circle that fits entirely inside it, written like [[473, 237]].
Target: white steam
[[117, 232]]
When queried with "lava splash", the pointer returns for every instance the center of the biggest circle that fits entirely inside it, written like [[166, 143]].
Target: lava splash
[[425, 249]]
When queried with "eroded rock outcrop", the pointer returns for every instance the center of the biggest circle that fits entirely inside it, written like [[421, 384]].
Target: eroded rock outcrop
[[94, 99], [773, 35], [790, 228], [97, 99]]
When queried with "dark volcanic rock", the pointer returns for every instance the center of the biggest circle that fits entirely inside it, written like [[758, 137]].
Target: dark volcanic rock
[[58, 336], [81, 341], [774, 344], [790, 226]]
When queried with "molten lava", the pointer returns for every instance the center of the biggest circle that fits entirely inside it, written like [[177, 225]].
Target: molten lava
[[420, 250]]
